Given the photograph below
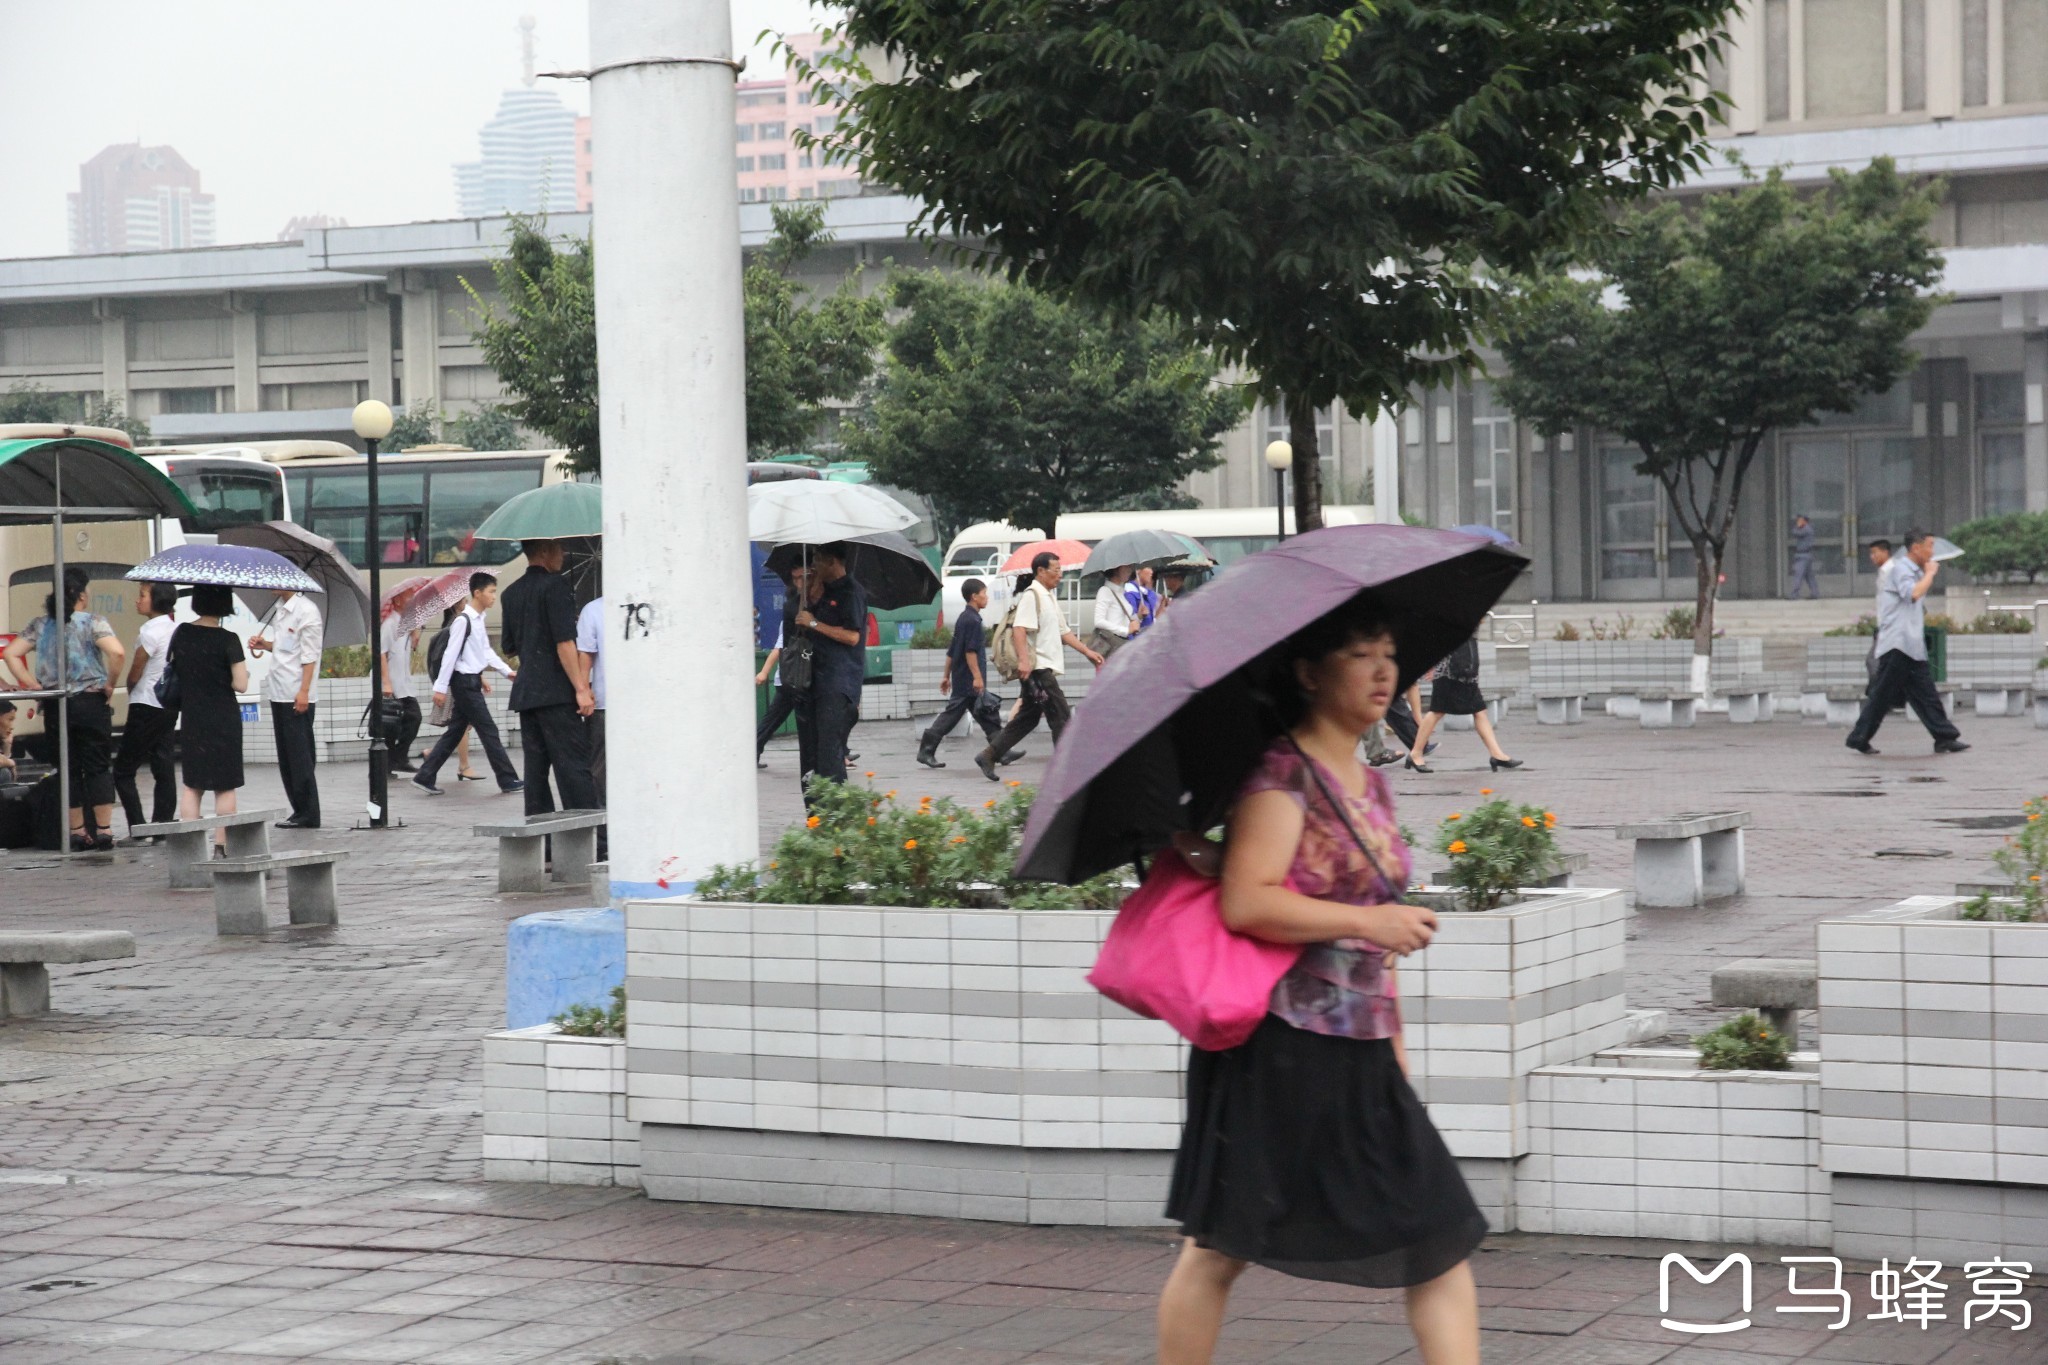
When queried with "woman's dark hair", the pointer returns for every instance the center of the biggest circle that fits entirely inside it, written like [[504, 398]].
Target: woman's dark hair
[[1359, 619], [163, 598], [76, 581], [211, 600]]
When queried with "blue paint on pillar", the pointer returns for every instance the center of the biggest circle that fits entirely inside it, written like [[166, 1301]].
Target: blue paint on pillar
[[559, 958]]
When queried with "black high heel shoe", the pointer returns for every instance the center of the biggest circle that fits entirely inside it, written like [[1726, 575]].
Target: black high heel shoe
[[1496, 764], [1412, 766]]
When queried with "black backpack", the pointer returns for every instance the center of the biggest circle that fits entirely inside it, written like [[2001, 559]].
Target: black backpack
[[437, 649]]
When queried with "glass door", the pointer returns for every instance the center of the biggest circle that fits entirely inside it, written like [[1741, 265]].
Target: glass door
[[1817, 473], [1638, 557], [1884, 501]]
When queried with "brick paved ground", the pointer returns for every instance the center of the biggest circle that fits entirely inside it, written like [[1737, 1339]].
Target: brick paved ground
[[269, 1147]]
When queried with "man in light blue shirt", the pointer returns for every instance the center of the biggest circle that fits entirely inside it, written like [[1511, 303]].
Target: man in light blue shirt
[[1903, 675]]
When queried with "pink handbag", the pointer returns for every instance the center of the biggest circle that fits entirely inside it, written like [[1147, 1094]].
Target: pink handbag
[[1170, 957]]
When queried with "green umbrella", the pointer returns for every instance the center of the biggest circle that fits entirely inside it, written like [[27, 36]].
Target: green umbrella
[[558, 511]]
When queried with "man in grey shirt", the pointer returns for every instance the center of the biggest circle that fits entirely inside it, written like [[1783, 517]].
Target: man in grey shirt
[[1903, 674], [1802, 557]]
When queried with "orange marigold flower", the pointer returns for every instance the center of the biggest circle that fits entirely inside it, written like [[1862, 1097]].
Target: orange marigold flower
[[1015, 783], [891, 793], [773, 866], [1455, 815], [959, 838], [870, 772], [910, 843], [989, 804], [871, 819], [1457, 846], [1529, 821], [813, 822], [1486, 791]]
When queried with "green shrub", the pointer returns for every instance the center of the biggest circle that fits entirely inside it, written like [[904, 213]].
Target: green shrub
[[1496, 849], [2013, 546], [1865, 625], [1744, 1043], [934, 636], [1620, 628], [2023, 858], [345, 661], [1997, 623], [592, 1021], [1678, 624], [859, 847]]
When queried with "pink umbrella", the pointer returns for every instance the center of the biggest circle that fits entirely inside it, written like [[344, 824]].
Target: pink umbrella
[[439, 593], [400, 589]]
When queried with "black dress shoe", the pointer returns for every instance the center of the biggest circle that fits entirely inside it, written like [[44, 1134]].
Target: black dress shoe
[[988, 769], [298, 824], [1011, 757], [1864, 747], [1950, 746], [1502, 764]]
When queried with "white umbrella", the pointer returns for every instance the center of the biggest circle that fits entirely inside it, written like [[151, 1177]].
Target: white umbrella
[[1945, 549], [820, 511]]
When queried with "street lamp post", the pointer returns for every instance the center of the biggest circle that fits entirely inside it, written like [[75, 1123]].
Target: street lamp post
[[1279, 459], [372, 421]]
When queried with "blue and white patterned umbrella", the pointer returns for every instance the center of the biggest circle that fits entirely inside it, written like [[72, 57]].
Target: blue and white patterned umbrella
[[225, 566]]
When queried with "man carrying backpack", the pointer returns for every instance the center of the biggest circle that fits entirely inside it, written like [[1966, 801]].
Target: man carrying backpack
[[1038, 633]]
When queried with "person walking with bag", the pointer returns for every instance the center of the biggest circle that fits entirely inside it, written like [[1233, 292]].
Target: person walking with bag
[[1116, 617], [1040, 636], [396, 643], [151, 732], [1305, 1150], [1904, 677], [830, 619], [459, 691], [551, 693], [1456, 692]]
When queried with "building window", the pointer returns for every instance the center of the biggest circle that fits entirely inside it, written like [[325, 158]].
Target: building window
[[1777, 61], [1977, 52], [1913, 54], [772, 132], [743, 132], [2026, 51], [2001, 399], [1277, 429], [746, 164], [2005, 472], [776, 162], [803, 161], [775, 192], [1844, 58], [749, 195], [824, 123], [191, 400], [1628, 516]]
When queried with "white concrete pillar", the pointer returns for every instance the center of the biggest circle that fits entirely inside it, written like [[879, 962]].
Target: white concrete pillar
[[1386, 469], [243, 322], [672, 417]]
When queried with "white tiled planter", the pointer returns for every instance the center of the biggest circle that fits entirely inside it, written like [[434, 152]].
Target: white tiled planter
[[1991, 659], [555, 1109], [1682, 1154], [1597, 667], [921, 670]]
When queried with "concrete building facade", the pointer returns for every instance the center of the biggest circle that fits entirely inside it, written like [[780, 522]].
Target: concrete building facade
[[136, 198]]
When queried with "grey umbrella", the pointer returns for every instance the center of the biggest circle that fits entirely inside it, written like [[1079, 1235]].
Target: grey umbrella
[[1142, 546], [347, 614]]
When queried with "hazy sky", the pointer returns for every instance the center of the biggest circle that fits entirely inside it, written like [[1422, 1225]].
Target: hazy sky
[[356, 109]]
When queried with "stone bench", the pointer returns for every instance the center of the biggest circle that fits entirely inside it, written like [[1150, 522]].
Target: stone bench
[[2004, 697], [1664, 710], [1560, 873], [1749, 705], [238, 890], [25, 953], [1560, 708], [188, 843], [1686, 860], [1843, 705], [522, 849], [1777, 988]]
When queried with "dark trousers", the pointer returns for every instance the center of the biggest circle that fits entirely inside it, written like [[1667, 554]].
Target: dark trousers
[[986, 710], [1902, 680], [148, 739], [294, 731], [92, 751], [1402, 722], [1802, 576], [595, 725], [1042, 698], [779, 707], [824, 722], [470, 711], [408, 733], [557, 741]]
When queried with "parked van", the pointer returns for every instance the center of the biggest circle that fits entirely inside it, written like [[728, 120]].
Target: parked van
[[975, 553]]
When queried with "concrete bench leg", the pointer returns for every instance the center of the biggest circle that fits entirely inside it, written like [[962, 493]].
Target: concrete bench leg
[[2041, 712], [248, 841], [2016, 702], [1668, 872], [1988, 701], [238, 903], [1766, 707], [1842, 714], [1624, 707], [1743, 709], [24, 989], [309, 894], [1813, 705], [575, 851], [1656, 715], [1684, 712], [522, 863], [1949, 702], [1553, 711], [1721, 864], [185, 855]]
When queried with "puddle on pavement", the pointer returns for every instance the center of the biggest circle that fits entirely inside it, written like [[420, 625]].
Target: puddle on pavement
[[1914, 853], [1982, 821]]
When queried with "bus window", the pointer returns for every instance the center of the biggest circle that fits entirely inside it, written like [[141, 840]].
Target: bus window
[[972, 559], [227, 493], [337, 506], [458, 501]]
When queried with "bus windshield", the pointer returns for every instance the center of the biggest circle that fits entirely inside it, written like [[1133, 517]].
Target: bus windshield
[[227, 493]]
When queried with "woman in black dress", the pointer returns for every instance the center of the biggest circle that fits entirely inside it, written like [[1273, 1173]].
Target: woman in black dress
[[211, 669], [1305, 1150], [1456, 693]]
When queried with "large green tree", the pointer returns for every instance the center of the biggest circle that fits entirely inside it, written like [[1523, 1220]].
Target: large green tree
[[1709, 326], [1000, 401], [1306, 186], [802, 350]]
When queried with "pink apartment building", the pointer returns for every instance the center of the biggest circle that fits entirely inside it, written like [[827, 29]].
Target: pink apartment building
[[770, 166]]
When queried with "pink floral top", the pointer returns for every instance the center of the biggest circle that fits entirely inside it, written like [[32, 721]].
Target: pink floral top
[[1339, 988]]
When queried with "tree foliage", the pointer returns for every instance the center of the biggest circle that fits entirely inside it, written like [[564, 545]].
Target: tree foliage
[[801, 350], [1306, 186], [2002, 547], [1002, 402], [1712, 325], [32, 403]]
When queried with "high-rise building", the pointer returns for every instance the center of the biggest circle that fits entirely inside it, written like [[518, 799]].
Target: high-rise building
[[136, 198], [583, 187], [771, 167], [530, 152]]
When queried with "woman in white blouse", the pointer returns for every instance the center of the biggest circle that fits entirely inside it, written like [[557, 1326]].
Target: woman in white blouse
[[1115, 621]]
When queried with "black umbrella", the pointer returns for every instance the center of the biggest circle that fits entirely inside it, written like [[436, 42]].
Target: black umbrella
[[346, 614], [1174, 722], [892, 572]]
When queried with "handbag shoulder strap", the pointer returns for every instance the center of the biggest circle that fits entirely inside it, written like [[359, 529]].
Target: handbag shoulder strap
[[1344, 816]]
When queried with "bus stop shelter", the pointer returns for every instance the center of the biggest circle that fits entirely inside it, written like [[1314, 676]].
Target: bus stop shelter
[[76, 479]]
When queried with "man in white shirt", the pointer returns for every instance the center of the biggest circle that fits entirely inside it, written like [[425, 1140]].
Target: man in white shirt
[[293, 635], [461, 684], [147, 738], [397, 646], [590, 644], [1042, 636], [1903, 675]]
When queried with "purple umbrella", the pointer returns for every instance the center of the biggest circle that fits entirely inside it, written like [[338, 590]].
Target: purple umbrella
[[1173, 724]]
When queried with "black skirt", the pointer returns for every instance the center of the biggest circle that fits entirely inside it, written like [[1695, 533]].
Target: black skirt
[[1311, 1156], [1452, 697]]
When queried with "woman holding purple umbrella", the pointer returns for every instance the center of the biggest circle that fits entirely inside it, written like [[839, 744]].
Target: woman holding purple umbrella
[[1305, 1150]]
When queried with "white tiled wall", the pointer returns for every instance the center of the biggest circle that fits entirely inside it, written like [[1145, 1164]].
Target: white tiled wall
[[555, 1110]]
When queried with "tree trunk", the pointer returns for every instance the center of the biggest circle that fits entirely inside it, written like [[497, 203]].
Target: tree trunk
[[1707, 567], [1308, 465]]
